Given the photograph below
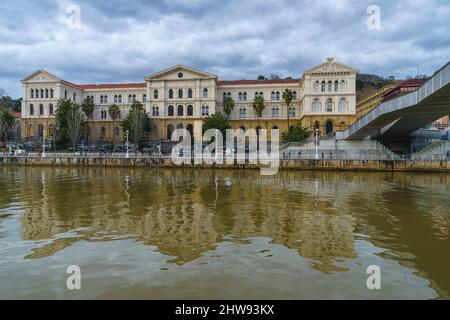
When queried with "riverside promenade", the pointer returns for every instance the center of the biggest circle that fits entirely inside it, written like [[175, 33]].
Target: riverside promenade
[[409, 165]]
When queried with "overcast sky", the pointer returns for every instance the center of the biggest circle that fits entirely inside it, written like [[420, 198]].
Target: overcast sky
[[124, 41]]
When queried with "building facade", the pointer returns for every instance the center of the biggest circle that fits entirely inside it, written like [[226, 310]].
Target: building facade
[[181, 97]]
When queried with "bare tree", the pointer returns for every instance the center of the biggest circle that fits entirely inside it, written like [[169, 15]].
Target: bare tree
[[74, 123]]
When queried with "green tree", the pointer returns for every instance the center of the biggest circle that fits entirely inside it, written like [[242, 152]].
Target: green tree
[[6, 103], [216, 121], [88, 108], [114, 112], [62, 109], [297, 134], [137, 122], [6, 123], [74, 120], [288, 96], [258, 106], [17, 105], [228, 105]]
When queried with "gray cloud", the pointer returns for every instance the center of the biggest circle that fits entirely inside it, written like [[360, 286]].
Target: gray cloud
[[127, 40]]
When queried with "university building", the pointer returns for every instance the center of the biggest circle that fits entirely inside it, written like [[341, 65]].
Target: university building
[[181, 97]]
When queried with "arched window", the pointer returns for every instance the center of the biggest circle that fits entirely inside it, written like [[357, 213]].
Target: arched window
[[51, 93], [292, 112], [190, 129], [240, 96], [41, 109], [190, 110], [275, 112], [180, 111], [278, 96], [46, 93], [170, 129], [342, 105], [190, 94], [336, 86], [343, 86], [328, 127], [273, 96], [144, 98], [243, 112], [329, 105], [31, 110], [330, 86], [180, 94], [42, 93], [224, 95], [205, 110], [316, 105], [205, 93], [157, 111], [116, 99], [130, 99], [171, 111], [134, 98], [50, 109], [256, 94], [323, 86], [316, 87], [244, 96], [294, 95], [65, 94], [170, 94], [32, 94], [119, 99], [102, 132], [155, 94]]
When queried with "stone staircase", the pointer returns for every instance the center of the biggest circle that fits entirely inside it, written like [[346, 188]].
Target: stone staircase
[[436, 148]]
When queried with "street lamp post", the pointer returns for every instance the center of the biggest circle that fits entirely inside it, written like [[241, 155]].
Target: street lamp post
[[43, 145], [316, 134], [128, 154]]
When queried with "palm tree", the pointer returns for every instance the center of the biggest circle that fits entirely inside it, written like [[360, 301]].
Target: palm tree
[[6, 123], [258, 106], [88, 108], [288, 96], [114, 112], [228, 105]]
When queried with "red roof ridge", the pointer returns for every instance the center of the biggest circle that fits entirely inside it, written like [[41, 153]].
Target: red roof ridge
[[112, 85], [250, 82]]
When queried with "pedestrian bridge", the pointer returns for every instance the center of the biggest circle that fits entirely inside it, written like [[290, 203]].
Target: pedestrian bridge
[[396, 119]]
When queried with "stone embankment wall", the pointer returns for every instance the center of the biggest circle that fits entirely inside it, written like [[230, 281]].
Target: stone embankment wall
[[373, 165]]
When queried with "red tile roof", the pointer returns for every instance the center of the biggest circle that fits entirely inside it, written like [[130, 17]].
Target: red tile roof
[[412, 83], [252, 82], [16, 114], [113, 86]]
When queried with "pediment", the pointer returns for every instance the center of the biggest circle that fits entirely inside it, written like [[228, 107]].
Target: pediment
[[41, 76], [331, 66], [173, 73]]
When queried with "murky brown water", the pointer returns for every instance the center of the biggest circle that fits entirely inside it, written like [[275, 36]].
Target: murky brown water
[[185, 234]]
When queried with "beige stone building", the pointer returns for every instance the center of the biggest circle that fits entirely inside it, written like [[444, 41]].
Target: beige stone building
[[180, 96]]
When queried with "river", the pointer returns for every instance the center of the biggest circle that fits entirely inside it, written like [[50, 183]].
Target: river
[[205, 234]]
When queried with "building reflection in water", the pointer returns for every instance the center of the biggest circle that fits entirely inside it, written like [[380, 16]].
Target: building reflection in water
[[185, 213]]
